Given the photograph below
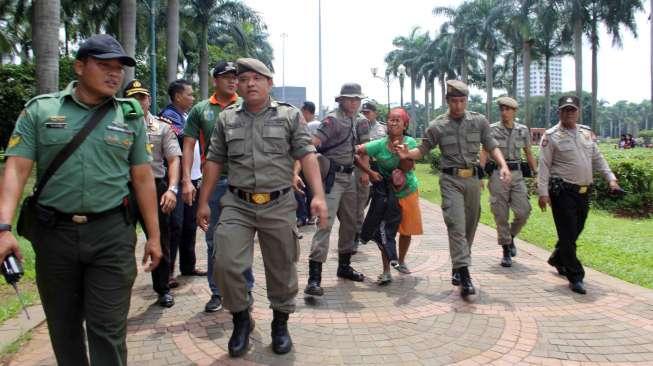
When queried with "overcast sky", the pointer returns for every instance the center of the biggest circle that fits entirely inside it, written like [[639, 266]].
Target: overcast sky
[[357, 34]]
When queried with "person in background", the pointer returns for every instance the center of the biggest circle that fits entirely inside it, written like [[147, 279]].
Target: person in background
[[304, 195]]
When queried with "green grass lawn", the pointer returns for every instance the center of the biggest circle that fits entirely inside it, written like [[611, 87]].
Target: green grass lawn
[[617, 246]]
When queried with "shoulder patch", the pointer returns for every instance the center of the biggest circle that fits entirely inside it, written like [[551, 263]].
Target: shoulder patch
[[42, 96], [545, 141], [584, 127], [131, 109], [163, 119]]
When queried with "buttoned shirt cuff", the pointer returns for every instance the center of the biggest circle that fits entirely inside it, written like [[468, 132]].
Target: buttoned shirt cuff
[[302, 151], [491, 146], [22, 153]]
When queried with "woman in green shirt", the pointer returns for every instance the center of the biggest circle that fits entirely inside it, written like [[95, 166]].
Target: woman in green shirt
[[383, 152]]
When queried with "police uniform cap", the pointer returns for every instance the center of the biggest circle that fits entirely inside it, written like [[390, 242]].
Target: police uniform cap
[[369, 106], [456, 88], [350, 90], [254, 65], [224, 67], [508, 102], [568, 101], [135, 87], [104, 47]]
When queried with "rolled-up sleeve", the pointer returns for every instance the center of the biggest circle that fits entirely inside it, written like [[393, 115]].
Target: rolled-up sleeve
[[301, 137], [488, 141], [430, 141], [217, 150], [23, 139]]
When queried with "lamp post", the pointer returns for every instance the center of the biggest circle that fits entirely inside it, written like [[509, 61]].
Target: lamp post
[[385, 79], [153, 12], [283, 66], [402, 74]]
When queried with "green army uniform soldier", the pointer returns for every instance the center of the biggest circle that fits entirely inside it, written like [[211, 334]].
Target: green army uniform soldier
[[84, 247], [512, 138], [260, 139], [459, 134], [336, 138], [163, 145]]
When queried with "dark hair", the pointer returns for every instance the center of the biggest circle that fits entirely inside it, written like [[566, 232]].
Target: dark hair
[[177, 86], [309, 106]]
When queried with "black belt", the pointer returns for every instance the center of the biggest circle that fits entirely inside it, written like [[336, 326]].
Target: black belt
[[576, 187], [513, 165], [347, 169], [83, 218], [259, 198], [461, 172]]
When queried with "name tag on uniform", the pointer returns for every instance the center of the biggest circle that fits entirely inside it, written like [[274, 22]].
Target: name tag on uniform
[[56, 124], [120, 129]]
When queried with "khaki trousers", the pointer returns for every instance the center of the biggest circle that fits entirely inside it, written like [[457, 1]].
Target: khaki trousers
[[505, 197]]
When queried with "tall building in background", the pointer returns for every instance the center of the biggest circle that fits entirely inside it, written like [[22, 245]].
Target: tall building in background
[[537, 77], [295, 95]]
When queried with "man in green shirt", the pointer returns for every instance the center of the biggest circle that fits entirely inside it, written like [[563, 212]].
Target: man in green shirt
[[84, 248], [199, 126]]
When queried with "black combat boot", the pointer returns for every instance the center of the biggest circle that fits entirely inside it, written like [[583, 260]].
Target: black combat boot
[[455, 277], [506, 261], [314, 279], [346, 271], [513, 248], [466, 285], [239, 341], [281, 342]]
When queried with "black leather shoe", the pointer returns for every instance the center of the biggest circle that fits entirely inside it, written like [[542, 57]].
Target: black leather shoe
[[466, 285], [455, 277], [239, 341], [345, 269], [314, 279], [214, 304], [166, 300], [513, 248], [281, 341], [506, 260], [578, 287], [562, 271]]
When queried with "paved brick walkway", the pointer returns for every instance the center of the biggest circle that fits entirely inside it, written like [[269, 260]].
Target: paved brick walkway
[[521, 315]]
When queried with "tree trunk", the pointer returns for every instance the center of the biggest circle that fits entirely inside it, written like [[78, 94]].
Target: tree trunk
[[463, 69], [426, 102], [489, 82], [527, 81], [432, 95], [578, 59], [443, 91], [547, 91], [595, 77], [412, 88], [45, 34], [172, 44], [204, 63], [66, 37], [514, 73], [128, 33]]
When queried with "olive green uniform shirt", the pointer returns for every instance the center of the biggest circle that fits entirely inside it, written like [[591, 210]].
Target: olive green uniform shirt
[[260, 148], [163, 144], [512, 141], [459, 140], [94, 178]]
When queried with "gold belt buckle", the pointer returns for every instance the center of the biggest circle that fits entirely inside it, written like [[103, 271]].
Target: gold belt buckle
[[465, 173], [79, 219], [582, 189], [260, 198]]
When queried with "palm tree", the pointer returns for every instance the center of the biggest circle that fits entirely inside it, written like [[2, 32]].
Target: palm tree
[[128, 32], [172, 40], [46, 45]]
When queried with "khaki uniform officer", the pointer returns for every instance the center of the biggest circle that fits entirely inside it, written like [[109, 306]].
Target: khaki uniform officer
[[84, 241], [459, 134], [260, 140], [164, 145], [336, 138], [568, 159], [512, 138]]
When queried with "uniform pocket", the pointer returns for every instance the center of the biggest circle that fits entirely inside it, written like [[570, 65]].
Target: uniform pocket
[[119, 143], [235, 139], [473, 141], [274, 140], [56, 136], [448, 144], [295, 234]]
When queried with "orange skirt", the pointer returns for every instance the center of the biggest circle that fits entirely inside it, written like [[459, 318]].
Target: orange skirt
[[411, 216]]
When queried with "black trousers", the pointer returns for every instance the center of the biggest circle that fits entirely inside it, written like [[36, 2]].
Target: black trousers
[[183, 230], [161, 274], [570, 211]]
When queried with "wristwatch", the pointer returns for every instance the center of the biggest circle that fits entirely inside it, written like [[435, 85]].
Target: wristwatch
[[173, 189], [5, 227]]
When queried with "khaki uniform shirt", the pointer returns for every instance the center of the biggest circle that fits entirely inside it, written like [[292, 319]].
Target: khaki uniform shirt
[[335, 128], [260, 148], [459, 140], [377, 130], [571, 155], [94, 178], [512, 141], [163, 143]]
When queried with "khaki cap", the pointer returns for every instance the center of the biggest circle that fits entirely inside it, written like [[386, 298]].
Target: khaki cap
[[508, 102], [456, 88], [351, 90], [252, 64]]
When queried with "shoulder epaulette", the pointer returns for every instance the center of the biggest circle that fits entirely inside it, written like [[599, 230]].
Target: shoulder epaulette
[[475, 114], [232, 106], [163, 119], [551, 130], [495, 124], [131, 109], [585, 127], [42, 96], [285, 104], [442, 116]]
